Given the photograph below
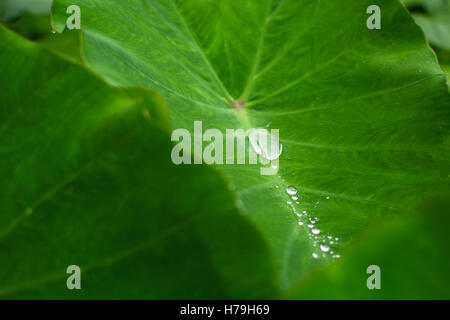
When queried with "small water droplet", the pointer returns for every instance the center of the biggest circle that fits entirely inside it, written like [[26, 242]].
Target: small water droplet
[[315, 255], [310, 226], [336, 256], [291, 190], [328, 197], [300, 223], [315, 231], [336, 238], [289, 202], [330, 237], [331, 242], [324, 248], [294, 197]]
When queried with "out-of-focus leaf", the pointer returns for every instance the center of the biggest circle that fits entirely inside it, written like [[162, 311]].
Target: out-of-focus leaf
[[10, 9], [437, 29], [435, 20], [363, 114], [86, 179], [37, 28]]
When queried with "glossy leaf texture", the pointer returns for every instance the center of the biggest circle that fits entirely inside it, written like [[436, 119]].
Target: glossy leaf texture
[[363, 114], [86, 180]]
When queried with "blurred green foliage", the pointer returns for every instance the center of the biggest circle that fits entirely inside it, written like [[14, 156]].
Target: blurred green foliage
[[433, 16]]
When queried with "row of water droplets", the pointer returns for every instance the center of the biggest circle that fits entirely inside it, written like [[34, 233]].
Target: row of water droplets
[[264, 146], [323, 243]]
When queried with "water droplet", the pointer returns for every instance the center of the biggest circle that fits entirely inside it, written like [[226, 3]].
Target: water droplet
[[336, 256], [289, 202], [315, 231], [336, 238], [300, 223], [262, 141], [331, 252], [305, 212], [310, 226], [330, 237], [297, 202], [324, 248], [328, 197], [291, 190], [315, 255], [294, 197], [331, 242]]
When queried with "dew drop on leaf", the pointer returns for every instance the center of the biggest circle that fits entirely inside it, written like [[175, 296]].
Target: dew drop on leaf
[[291, 190]]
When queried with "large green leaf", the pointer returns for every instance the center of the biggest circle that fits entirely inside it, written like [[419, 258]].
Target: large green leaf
[[363, 114], [86, 180]]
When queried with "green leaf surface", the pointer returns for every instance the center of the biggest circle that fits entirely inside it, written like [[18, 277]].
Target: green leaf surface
[[86, 180], [411, 251], [363, 114]]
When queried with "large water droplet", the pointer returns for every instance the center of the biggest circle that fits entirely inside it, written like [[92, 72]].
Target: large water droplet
[[324, 248], [265, 144], [291, 190]]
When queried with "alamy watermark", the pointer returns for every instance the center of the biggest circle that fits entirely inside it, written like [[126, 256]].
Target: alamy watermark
[[74, 20], [74, 280], [228, 148], [374, 280], [374, 20]]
